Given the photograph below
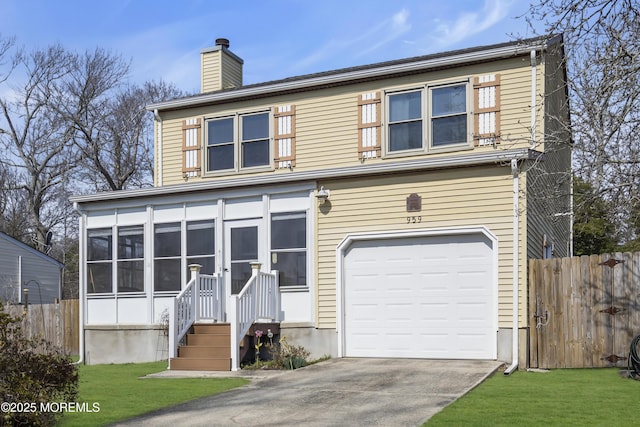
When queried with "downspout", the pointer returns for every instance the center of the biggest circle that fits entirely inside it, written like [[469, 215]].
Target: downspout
[[20, 292], [158, 153], [516, 272], [534, 88], [516, 229], [81, 284]]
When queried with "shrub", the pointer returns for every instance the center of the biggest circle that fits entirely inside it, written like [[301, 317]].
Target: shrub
[[287, 356], [32, 372]]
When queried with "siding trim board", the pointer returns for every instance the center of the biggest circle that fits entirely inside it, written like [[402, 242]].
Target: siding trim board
[[475, 159]]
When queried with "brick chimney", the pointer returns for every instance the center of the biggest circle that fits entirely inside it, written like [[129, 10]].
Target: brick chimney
[[219, 68]]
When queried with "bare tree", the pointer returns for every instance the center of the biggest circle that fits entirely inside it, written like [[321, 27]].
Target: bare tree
[[36, 138], [112, 129], [603, 78]]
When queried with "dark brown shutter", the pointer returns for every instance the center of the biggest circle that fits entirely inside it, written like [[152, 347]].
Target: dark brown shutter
[[285, 136], [369, 126], [486, 91], [191, 148]]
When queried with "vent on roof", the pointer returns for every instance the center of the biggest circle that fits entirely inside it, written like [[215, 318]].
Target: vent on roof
[[222, 42]]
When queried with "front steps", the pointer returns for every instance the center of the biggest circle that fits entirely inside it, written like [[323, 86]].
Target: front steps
[[208, 348]]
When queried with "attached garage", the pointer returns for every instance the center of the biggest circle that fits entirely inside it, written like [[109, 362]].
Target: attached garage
[[420, 294]]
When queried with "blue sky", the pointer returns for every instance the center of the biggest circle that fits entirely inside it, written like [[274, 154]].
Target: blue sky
[[276, 39]]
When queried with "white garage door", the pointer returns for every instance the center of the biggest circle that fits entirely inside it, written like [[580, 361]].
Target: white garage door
[[426, 297]]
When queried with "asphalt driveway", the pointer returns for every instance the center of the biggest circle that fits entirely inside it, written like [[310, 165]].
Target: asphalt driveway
[[337, 392]]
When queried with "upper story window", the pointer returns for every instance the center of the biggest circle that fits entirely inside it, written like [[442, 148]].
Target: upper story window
[[426, 119], [238, 140], [405, 121], [449, 115]]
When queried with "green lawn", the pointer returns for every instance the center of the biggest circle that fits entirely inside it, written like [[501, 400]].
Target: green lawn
[[564, 397], [120, 393]]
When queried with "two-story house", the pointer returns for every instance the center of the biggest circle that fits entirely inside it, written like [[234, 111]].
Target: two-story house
[[385, 210]]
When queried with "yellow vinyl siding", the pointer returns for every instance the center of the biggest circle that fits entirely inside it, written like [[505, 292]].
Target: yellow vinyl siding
[[211, 69], [232, 75], [327, 119], [172, 151], [480, 196]]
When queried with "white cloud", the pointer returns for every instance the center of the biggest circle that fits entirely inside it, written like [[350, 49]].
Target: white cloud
[[389, 31], [370, 40], [448, 33]]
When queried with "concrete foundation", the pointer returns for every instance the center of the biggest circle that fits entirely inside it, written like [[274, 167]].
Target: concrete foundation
[[505, 346], [125, 344], [319, 342], [141, 343]]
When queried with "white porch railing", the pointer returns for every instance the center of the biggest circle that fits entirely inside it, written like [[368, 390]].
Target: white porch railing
[[258, 300], [195, 303]]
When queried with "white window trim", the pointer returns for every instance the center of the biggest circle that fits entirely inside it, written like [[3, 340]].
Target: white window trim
[[427, 144], [237, 144]]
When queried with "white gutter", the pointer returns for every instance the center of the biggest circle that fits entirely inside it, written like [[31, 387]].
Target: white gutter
[[473, 159], [534, 88], [348, 75], [159, 150], [516, 272], [81, 285]]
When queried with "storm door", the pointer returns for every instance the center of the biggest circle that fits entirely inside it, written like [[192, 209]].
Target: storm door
[[242, 246]]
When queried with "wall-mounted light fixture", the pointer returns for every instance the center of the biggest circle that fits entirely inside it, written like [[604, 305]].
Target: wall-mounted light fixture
[[323, 194]]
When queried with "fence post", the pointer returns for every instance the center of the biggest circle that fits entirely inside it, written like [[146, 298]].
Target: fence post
[[195, 275]]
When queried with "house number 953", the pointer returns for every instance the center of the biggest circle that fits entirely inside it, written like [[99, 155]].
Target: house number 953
[[414, 219]]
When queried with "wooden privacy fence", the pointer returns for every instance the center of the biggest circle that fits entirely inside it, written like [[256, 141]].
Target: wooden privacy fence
[[56, 323], [583, 311]]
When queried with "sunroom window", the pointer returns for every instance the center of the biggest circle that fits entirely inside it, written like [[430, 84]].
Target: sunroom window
[[170, 262], [130, 259], [99, 261], [289, 248], [167, 259], [201, 245]]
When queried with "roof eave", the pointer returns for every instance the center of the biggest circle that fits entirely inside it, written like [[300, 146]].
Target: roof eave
[[475, 159], [374, 72]]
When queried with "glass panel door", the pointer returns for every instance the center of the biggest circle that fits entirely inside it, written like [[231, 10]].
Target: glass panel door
[[242, 243]]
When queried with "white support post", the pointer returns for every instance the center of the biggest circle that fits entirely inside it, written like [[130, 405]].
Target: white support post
[[277, 295], [195, 275], [173, 331], [232, 311], [255, 269]]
